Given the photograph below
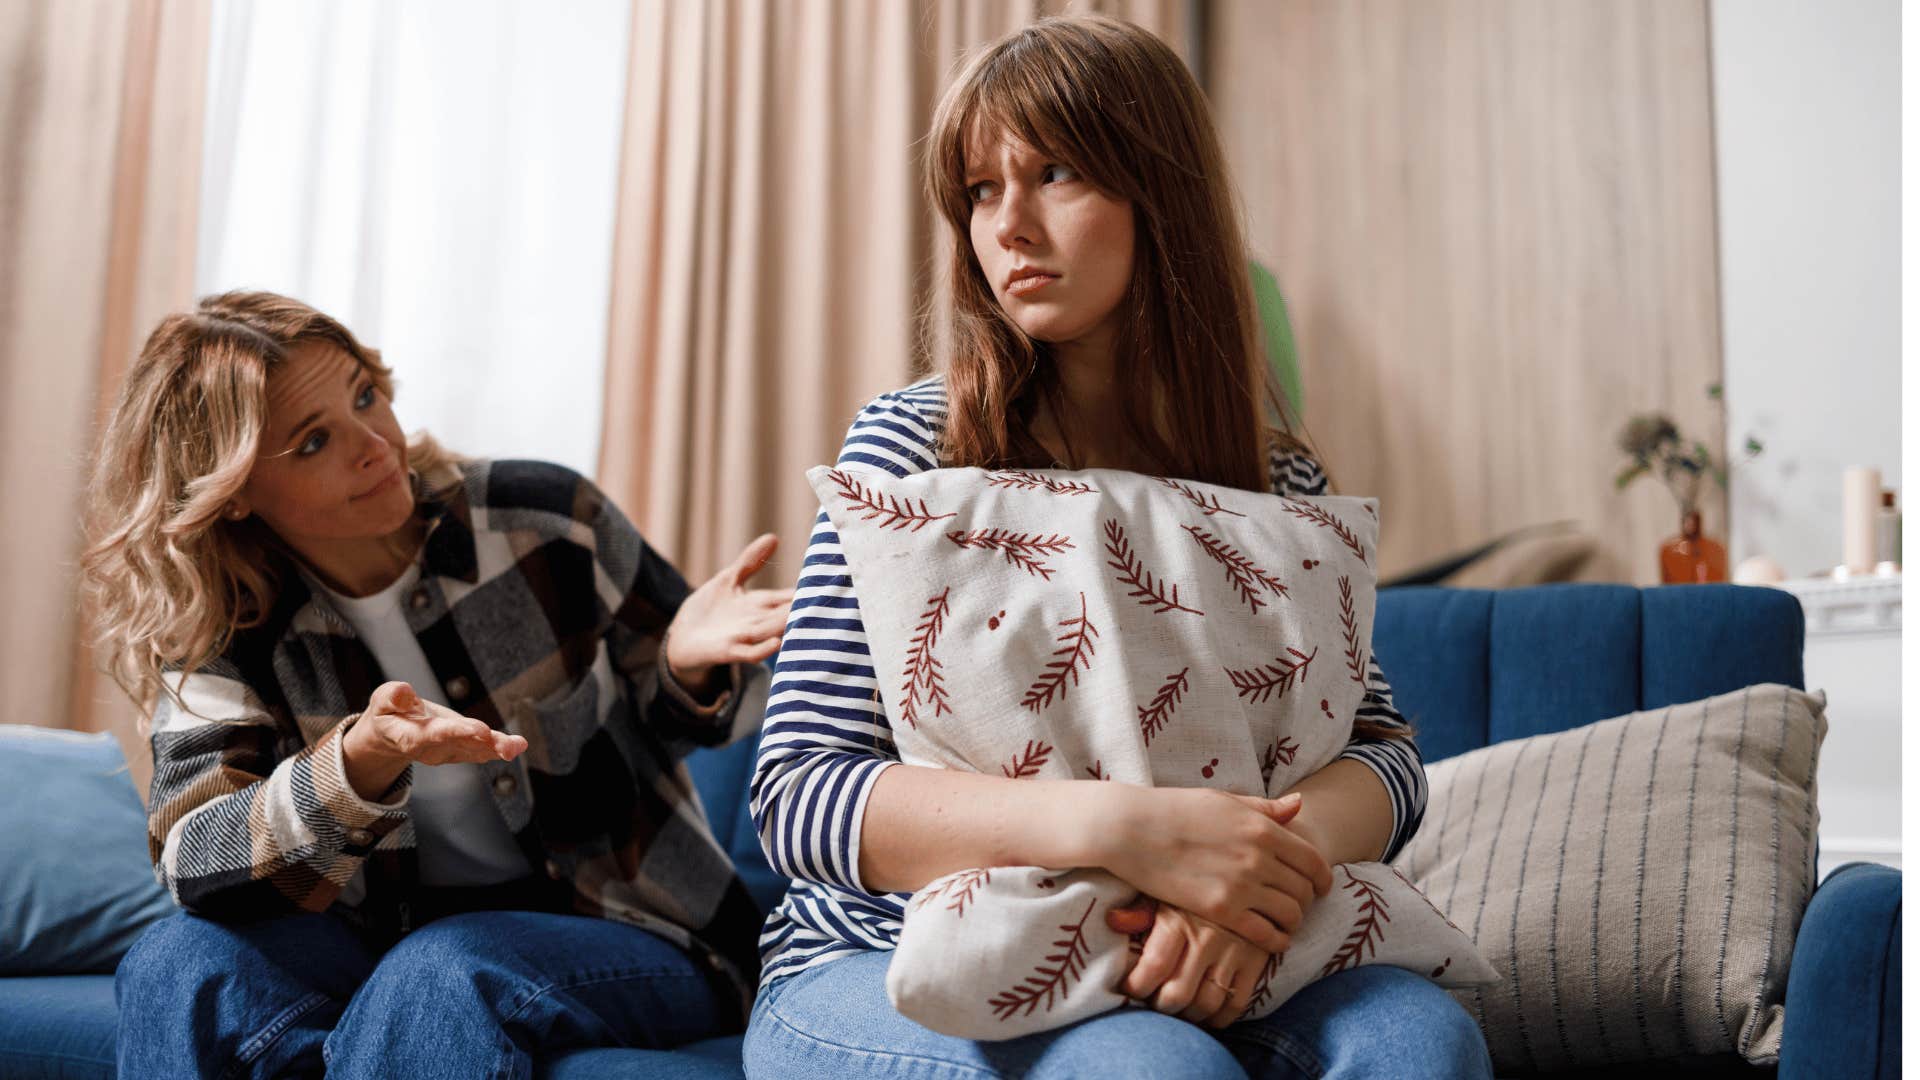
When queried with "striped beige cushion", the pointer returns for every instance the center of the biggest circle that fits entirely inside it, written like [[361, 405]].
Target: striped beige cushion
[[1636, 882]]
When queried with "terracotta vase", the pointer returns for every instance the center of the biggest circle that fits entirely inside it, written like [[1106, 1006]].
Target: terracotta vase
[[1691, 558]]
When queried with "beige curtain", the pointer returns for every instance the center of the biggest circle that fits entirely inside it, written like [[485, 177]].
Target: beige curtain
[[772, 247], [99, 170]]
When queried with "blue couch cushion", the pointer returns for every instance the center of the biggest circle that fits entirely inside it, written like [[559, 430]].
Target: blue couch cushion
[[1563, 656], [1698, 641], [57, 1027], [721, 776], [76, 884], [1432, 646]]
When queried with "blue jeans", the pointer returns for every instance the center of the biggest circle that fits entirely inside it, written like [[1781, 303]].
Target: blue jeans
[[467, 996], [834, 1021]]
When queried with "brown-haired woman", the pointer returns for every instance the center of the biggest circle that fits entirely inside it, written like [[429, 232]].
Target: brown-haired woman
[[416, 728], [1094, 312]]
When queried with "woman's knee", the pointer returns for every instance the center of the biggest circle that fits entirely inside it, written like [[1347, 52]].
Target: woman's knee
[[1380, 1017], [1138, 1042], [304, 951]]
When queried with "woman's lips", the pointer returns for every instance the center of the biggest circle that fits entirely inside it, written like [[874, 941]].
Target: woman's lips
[[1032, 283], [388, 481]]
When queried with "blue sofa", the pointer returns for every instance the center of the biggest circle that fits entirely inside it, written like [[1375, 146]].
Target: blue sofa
[[1470, 668]]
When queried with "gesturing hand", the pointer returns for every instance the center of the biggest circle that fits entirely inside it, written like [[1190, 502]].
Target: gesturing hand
[[724, 622], [400, 724]]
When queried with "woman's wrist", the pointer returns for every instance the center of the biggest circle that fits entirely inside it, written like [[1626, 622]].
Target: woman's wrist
[[371, 768], [699, 681]]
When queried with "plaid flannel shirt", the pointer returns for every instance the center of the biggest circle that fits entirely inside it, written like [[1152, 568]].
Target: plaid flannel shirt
[[542, 612]]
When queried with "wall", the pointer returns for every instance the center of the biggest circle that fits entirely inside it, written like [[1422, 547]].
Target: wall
[[1494, 220], [1807, 132]]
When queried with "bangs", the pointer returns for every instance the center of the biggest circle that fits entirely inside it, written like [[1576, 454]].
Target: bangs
[[1022, 89]]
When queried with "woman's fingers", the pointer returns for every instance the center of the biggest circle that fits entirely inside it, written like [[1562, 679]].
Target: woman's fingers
[[1258, 929], [1178, 992], [1209, 995], [1283, 910], [753, 652], [753, 557], [1236, 1002], [1159, 957], [1298, 854]]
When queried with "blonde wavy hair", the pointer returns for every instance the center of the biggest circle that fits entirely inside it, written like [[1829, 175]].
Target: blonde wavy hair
[[168, 577]]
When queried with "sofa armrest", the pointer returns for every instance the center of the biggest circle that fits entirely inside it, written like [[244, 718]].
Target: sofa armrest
[[1843, 990]]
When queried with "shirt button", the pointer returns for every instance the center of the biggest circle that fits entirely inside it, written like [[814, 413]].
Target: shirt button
[[458, 687], [418, 598], [503, 785], [553, 870], [359, 837]]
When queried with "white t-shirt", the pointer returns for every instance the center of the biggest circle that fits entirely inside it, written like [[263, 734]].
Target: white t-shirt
[[458, 830]]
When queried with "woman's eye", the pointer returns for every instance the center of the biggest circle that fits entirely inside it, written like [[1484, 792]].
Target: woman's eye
[[365, 400], [980, 192], [312, 443], [1053, 173]]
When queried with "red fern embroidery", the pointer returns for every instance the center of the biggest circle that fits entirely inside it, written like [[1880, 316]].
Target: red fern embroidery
[[1209, 504], [1356, 656], [1321, 517], [1161, 598], [1068, 963], [1241, 571], [893, 511], [1076, 652], [1280, 753], [1369, 929], [1026, 481], [1154, 717], [924, 677], [1259, 683], [1263, 984], [1023, 550], [1095, 772], [959, 888], [1027, 762]]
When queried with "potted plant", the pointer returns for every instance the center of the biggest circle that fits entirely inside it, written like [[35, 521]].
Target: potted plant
[[1654, 446]]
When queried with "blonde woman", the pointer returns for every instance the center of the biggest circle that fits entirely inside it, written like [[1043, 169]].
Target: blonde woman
[[416, 728], [1095, 313]]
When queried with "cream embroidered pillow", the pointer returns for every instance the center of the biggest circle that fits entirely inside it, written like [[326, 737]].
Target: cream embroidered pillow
[[1636, 882], [1107, 625]]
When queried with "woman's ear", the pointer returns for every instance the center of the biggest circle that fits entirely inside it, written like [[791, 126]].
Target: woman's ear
[[237, 510]]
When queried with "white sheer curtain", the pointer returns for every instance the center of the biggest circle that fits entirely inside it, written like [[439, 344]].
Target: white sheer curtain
[[440, 176]]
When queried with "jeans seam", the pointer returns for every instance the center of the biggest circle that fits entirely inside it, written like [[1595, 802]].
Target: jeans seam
[[1298, 1056], [890, 1055], [264, 1039], [562, 985]]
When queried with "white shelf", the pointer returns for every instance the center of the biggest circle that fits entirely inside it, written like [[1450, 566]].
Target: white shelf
[[1856, 605]]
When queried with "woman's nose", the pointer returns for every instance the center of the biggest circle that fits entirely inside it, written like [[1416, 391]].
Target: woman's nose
[[1015, 226], [370, 448]]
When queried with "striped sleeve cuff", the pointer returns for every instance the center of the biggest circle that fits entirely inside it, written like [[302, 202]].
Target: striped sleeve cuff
[[1397, 763]]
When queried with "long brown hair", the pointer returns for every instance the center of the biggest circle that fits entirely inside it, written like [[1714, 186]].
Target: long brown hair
[[1117, 105], [169, 577]]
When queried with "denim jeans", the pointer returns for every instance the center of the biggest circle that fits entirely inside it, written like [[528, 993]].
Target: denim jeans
[[468, 996], [835, 1021]]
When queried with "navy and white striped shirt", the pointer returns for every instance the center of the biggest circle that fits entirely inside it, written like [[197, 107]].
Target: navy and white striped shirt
[[826, 738]]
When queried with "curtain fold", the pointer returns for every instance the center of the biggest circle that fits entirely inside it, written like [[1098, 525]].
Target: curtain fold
[[772, 249], [98, 198]]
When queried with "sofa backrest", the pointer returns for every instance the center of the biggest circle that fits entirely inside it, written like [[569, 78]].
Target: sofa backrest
[[1470, 667]]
